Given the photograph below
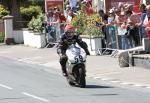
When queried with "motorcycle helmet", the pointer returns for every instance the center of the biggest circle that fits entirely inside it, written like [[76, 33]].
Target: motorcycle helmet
[[69, 31]]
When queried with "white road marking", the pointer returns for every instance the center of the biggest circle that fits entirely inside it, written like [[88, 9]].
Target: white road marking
[[115, 81], [105, 79], [109, 73], [52, 63], [35, 97], [97, 77], [4, 52], [7, 87], [148, 87], [125, 83], [100, 75], [138, 85]]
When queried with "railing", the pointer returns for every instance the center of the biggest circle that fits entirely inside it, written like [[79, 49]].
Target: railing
[[118, 39], [115, 36], [53, 33]]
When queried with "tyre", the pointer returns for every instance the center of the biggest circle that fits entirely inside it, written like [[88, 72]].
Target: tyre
[[71, 83], [82, 80], [124, 59]]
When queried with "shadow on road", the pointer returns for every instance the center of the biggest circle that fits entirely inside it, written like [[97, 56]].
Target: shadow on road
[[111, 94], [97, 86]]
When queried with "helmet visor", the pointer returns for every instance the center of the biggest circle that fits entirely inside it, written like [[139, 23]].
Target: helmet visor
[[70, 34]]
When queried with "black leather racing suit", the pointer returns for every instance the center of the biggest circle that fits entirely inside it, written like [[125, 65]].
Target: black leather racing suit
[[63, 45]]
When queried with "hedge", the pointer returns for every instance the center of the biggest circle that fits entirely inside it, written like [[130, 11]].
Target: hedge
[[2, 36]]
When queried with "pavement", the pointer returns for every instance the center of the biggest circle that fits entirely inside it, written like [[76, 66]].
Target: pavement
[[103, 67]]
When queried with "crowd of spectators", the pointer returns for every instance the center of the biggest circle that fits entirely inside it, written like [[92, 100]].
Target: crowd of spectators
[[123, 28], [55, 22], [56, 19]]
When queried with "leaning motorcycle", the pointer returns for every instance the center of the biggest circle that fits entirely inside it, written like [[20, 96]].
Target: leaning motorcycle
[[75, 66]]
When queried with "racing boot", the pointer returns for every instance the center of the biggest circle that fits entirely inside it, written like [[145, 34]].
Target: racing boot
[[64, 72]]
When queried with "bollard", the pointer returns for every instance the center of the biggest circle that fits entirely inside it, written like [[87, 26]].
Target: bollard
[[124, 59], [8, 23]]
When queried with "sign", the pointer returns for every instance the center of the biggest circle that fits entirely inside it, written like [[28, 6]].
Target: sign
[[114, 3], [50, 4]]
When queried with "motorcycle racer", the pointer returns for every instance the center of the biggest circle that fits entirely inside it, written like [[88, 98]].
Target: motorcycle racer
[[68, 38]]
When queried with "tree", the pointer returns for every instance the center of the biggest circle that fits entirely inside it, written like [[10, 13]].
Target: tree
[[14, 8], [15, 11]]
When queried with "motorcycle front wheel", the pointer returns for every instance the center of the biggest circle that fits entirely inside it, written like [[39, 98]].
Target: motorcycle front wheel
[[82, 80]]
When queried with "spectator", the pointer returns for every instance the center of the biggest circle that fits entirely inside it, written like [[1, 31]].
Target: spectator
[[49, 28], [148, 28], [68, 8], [141, 25], [111, 29], [62, 22], [122, 28], [104, 28], [103, 15], [143, 13], [148, 23], [54, 23], [73, 4], [133, 29], [70, 15], [147, 15], [87, 8]]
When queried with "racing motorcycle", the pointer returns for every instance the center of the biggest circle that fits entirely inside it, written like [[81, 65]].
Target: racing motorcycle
[[75, 66]]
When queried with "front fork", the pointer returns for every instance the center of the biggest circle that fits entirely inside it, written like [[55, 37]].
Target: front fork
[[73, 70]]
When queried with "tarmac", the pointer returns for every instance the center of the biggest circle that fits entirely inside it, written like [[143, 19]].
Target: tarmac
[[103, 67]]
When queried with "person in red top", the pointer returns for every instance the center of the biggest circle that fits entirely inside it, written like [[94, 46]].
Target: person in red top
[[63, 20], [88, 10], [148, 28], [148, 23]]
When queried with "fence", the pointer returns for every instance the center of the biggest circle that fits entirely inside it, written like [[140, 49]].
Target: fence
[[117, 38], [53, 33]]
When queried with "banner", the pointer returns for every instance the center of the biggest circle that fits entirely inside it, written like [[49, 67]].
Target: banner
[[114, 3], [50, 4]]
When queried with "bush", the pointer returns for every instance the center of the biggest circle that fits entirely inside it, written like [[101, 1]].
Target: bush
[[93, 25], [36, 23], [3, 11], [88, 24], [28, 12], [2, 36], [79, 22]]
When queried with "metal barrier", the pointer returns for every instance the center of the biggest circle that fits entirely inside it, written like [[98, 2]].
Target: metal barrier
[[119, 39], [111, 41], [116, 38], [53, 34]]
